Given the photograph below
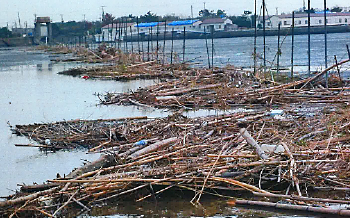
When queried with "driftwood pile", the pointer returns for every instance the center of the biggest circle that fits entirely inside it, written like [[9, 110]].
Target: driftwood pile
[[298, 154], [229, 87], [291, 156]]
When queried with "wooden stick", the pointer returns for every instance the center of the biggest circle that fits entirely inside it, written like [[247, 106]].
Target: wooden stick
[[65, 204], [292, 168], [293, 197], [28, 197], [240, 184], [252, 142], [153, 147], [340, 212]]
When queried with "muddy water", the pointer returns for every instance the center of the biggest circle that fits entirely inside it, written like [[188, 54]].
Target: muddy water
[[33, 92]]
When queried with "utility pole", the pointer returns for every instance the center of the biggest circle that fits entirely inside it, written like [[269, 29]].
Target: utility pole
[[19, 21], [192, 12], [103, 13], [204, 5], [62, 21]]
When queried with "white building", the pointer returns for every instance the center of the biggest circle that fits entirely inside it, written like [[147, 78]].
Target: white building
[[219, 24], [111, 32], [190, 25], [301, 20], [345, 9], [154, 27]]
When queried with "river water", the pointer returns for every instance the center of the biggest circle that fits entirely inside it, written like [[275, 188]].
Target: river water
[[239, 51], [33, 92]]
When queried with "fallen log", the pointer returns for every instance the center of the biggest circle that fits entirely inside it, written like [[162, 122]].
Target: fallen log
[[103, 161], [250, 140], [153, 147], [182, 91], [340, 212], [40, 187], [299, 198], [27, 198], [39, 146], [323, 72]]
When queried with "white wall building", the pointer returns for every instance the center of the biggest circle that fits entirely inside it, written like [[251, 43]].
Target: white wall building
[[301, 20], [219, 24], [345, 9], [177, 26]]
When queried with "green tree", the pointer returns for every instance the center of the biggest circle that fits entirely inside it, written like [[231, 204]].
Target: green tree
[[221, 13], [149, 17], [4, 32], [336, 9], [242, 21], [107, 19]]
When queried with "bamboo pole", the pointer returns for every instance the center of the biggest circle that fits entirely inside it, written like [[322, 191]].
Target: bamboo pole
[[340, 212], [299, 198], [309, 37], [325, 40], [292, 58], [278, 48]]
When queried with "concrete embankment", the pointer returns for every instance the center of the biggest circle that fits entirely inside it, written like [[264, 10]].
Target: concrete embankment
[[18, 41], [239, 33]]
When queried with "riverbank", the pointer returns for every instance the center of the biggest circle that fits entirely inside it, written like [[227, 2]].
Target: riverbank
[[16, 42], [237, 33]]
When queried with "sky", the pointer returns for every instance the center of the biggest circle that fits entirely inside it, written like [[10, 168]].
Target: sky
[[92, 10]]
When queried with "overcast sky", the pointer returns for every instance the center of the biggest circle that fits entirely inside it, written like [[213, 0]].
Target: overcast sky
[[75, 9]]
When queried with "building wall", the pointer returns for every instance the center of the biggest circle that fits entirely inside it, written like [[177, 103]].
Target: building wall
[[303, 21]]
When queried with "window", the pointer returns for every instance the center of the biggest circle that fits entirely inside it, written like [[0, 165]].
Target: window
[[320, 21], [285, 23], [219, 26], [340, 20], [299, 21], [305, 21]]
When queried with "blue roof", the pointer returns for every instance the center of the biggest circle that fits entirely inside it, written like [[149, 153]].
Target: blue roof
[[182, 22], [147, 24]]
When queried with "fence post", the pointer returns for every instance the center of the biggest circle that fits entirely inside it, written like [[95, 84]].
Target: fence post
[[206, 45], [278, 48], [148, 38], [157, 50], [292, 59], [164, 43], [325, 41], [309, 38], [184, 46], [172, 46], [212, 46]]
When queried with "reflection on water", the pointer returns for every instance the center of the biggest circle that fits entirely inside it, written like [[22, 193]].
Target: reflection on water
[[34, 93]]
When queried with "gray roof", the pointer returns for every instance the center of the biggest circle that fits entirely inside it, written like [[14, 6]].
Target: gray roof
[[213, 21]]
